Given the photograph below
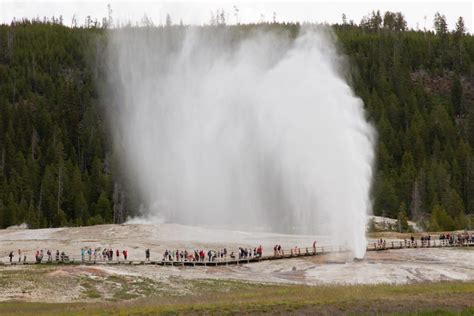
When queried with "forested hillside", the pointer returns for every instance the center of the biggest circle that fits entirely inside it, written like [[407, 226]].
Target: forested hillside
[[54, 166], [58, 166]]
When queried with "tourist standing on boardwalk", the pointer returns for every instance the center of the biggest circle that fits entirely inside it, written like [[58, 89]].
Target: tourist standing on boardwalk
[[11, 256], [19, 255], [147, 255], [125, 254]]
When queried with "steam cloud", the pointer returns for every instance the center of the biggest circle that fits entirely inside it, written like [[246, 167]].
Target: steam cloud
[[221, 126]]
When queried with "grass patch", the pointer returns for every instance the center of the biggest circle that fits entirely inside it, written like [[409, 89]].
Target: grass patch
[[127, 288], [228, 297], [90, 289]]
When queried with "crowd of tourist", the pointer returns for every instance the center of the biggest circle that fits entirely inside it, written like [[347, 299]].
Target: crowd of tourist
[[39, 256], [88, 254], [106, 254], [381, 243], [278, 250], [457, 239], [200, 255], [197, 255], [248, 253], [460, 239]]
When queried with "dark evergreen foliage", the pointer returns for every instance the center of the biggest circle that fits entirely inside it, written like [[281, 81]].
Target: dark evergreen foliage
[[57, 166]]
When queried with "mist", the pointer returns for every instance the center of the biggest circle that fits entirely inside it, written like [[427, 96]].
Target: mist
[[245, 129]]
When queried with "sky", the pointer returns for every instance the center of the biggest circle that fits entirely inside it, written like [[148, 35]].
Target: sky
[[419, 14]]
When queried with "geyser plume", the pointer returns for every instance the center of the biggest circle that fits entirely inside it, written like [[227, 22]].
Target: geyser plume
[[254, 129]]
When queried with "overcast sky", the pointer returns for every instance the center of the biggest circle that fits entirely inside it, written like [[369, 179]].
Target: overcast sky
[[419, 14]]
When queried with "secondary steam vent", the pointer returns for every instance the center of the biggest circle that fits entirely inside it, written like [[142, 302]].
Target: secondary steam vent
[[244, 129]]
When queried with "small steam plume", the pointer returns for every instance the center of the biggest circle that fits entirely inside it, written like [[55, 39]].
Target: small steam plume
[[226, 126]]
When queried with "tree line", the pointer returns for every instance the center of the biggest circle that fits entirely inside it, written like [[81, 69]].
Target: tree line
[[57, 162]]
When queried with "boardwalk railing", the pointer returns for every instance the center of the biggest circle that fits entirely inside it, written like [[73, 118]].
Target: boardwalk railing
[[283, 254], [417, 244], [227, 260]]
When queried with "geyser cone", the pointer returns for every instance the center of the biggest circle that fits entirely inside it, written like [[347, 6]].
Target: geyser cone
[[251, 129]]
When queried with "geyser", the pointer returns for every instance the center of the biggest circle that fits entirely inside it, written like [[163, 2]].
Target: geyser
[[226, 126]]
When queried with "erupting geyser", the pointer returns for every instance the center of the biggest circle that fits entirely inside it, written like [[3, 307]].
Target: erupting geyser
[[222, 126]]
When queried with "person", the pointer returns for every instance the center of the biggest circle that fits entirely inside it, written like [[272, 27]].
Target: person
[[19, 255], [11, 256], [49, 255], [57, 255], [202, 255], [147, 255], [82, 254], [117, 254]]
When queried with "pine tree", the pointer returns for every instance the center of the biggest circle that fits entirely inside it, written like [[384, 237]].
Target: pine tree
[[402, 221], [456, 96], [440, 24], [9, 212], [406, 179], [460, 27], [103, 207], [440, 220], [49, 195]]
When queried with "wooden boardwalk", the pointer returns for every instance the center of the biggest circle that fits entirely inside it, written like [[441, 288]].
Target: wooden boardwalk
[[298, 253]]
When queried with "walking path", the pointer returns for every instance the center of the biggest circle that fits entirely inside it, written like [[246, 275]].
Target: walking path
[[286, 254]]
